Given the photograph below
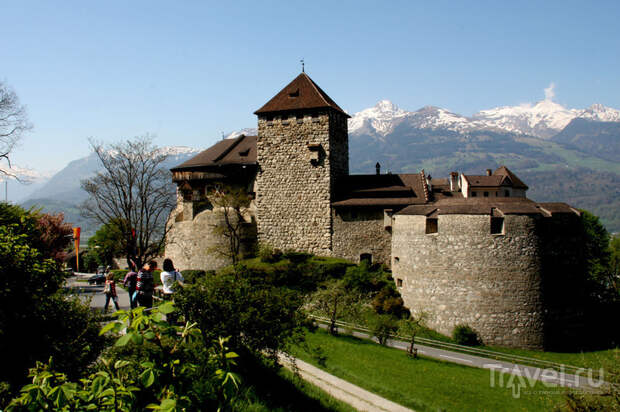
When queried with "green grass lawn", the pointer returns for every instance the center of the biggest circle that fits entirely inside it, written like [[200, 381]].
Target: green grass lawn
[[591, 359], [422, 384], [268, 390]]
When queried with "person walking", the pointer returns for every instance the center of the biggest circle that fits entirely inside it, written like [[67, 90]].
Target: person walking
[[170, 278], [110, 292], [130, 281], [170, 281], [145, 285]]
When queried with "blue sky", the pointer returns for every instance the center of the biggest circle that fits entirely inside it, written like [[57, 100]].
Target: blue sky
[[186, 71]]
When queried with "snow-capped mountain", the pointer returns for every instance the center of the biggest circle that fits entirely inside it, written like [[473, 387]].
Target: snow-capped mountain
[[248, 131], [543, 119]]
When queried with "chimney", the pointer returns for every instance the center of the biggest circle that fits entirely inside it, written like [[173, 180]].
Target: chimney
[[378, 167], [454, 183], [429, 182], [488, 172]]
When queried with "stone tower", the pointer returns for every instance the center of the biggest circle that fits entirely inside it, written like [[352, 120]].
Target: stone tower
[[302, 151]]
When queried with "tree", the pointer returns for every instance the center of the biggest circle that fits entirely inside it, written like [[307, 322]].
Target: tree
[[335, 301], [231, 204], [13, 122], [135, 191], [410, 327], [107, 243]]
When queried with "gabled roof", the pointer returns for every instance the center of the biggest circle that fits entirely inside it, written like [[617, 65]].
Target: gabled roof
[[500, 177], [516, 182], [301, 93], [241, 151]]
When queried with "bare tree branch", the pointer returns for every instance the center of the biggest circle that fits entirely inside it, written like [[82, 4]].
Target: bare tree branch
[[13, 123], [134, 191]]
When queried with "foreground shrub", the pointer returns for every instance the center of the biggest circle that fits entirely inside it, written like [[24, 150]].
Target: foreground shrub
[[258, 315], [168, 379], [465, 335], [37, 320]]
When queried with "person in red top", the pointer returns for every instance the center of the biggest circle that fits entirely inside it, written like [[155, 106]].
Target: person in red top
[[110, 292]]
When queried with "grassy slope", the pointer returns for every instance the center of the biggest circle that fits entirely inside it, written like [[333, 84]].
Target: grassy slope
[[422, 384]]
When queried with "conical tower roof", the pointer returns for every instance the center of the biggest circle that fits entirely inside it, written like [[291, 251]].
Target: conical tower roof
[[302, 93]]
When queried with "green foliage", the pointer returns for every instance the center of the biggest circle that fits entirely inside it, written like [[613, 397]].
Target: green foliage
[[269, 255], [296, 257], [366, 277], [465, 335], [389, 302], [191, 275], [335, 301], [257, 314], [36, 319], [382, 326], [169, 380], [107, 243]]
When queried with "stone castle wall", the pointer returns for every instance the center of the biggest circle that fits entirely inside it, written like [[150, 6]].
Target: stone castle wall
[[465, 275], [299, 160], [361, 230], [192, 242]]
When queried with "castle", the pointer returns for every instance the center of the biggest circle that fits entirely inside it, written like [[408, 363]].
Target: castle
[[467, 249]]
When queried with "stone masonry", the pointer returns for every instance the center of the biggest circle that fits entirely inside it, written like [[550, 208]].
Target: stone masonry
[[300, 156], [465, 275]]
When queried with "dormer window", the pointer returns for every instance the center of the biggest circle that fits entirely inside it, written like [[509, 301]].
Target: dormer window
[[244, 153], [294, 94]]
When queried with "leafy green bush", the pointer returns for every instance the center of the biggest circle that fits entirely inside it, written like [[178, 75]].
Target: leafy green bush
[[382, 326], [168, 379], [37, 320], [389, 302], [269, 255], [296, 257], [192, 275], [465, 335], [257, 314]]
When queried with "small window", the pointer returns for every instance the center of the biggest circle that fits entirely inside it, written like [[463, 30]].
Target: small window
[[366, 257], [507, 193], [474, 194], [299, 116], [396, 259], [486, 194], [294, 94], [399, 283], [497, 225], [431, 225]]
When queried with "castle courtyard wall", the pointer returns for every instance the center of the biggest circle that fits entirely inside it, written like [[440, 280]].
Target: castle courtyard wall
[[360, 231], [465, 275]]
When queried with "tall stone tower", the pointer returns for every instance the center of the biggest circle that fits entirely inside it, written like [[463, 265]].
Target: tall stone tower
[[302, 151]]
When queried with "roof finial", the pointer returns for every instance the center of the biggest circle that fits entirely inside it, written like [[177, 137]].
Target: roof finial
[[302, 65]]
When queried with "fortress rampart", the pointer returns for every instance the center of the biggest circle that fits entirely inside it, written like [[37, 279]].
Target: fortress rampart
[[464, 275]]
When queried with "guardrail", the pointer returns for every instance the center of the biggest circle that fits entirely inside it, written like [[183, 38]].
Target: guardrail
[[485, 353]]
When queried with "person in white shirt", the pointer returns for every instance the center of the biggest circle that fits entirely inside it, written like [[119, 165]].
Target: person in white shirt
[[170, 277]]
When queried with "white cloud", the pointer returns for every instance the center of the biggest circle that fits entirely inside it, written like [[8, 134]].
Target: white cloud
[[549, 92]]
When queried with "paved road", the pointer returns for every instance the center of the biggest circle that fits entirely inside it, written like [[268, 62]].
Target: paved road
[[544, 375], [94, 293], [355, 396]]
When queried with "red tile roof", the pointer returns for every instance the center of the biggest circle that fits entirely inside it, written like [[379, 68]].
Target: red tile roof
[[302, 93]]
